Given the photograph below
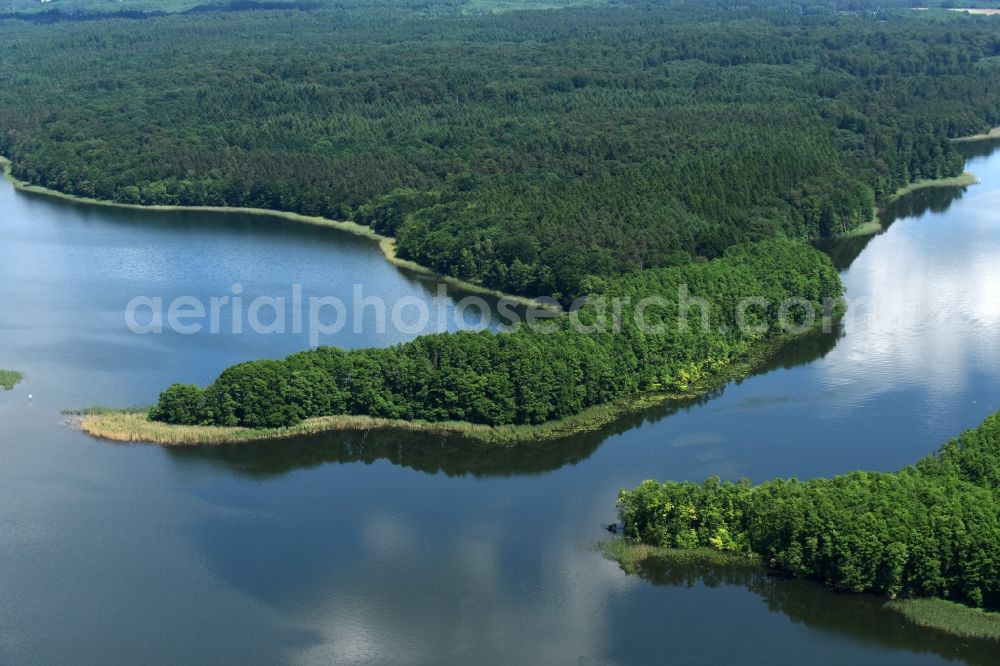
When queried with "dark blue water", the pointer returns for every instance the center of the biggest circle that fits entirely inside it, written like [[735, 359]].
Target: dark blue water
[[400, 548]]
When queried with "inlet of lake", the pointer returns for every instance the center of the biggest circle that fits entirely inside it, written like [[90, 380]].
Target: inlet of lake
[[400, 548]]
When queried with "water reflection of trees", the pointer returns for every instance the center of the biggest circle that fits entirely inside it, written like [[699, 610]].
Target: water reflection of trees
[[972, 149], [454, 456], [432, 454], [843, 251], [858, 617]]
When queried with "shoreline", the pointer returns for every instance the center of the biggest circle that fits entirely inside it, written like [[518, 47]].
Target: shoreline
[[939, 615], [133, 425], [985, 136], [386, 244], [965, 179]]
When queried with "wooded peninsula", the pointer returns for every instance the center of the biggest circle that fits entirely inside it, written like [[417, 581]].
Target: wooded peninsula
[[572, 369], [526, 151], [929, 530]]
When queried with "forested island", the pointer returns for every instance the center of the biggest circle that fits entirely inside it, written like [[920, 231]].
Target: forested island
[[9, 379], [928, 531]]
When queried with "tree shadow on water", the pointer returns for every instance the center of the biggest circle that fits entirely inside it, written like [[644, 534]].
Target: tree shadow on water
[[858, 617], [844, 251], [456, 456]]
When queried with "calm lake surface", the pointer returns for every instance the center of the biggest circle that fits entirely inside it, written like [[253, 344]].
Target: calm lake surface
[[396, 548]]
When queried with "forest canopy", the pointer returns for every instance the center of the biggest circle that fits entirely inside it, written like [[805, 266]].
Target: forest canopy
[[527, 150]]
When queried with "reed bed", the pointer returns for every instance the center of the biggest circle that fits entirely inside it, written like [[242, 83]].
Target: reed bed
[[134, 425], [949, 617], [630, 555]]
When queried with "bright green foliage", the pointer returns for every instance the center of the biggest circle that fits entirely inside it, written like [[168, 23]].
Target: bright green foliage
[[931, 530], [528, 376], [9, 379], [180, 403], [528, 151]]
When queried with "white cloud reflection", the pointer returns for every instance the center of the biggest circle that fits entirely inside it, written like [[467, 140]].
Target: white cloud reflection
[[926, 306], [410, 609]]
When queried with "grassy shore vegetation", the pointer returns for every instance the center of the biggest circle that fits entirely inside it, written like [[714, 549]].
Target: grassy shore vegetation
[[949, 617], [501, 168], [875, 226], [134, 425], [9, 379], [631, 555], [929, 530], [961, 180], [536, 375], [984, 136]]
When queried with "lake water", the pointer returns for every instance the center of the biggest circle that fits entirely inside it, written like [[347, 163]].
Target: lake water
[[401, 548]]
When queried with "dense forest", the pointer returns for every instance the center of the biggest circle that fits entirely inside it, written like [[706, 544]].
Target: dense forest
[[929, 530], [77, 10], [535, 373], [526, 150]]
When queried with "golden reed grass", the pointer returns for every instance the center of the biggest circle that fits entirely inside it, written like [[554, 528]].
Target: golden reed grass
[[135, 426]]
